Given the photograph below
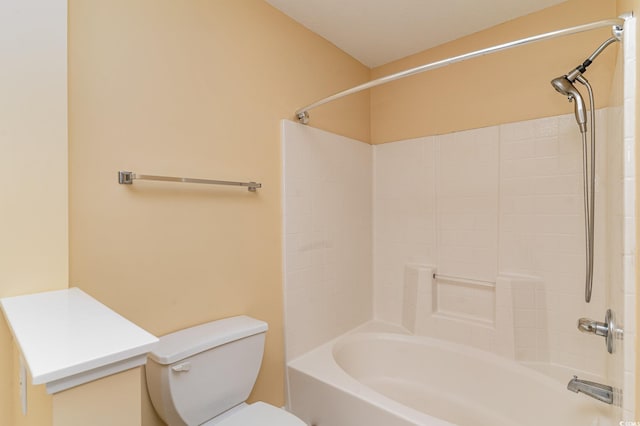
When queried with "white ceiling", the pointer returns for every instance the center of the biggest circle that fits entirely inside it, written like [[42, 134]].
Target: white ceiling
[[379, 31]]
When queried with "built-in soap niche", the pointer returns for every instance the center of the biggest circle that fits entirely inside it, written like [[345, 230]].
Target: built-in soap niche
[[507, 317]]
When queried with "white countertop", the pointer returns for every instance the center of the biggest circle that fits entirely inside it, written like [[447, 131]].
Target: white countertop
[[68, 333]]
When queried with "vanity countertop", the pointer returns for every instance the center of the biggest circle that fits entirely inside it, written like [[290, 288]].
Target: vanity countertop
[[67, 337]]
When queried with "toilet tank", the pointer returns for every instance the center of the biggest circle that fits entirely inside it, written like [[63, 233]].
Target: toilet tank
[[197, 373]]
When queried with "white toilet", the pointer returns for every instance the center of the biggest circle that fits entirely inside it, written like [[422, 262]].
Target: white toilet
[[203, 375]]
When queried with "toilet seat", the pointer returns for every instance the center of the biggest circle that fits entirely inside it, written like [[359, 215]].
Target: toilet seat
[[261, 414]]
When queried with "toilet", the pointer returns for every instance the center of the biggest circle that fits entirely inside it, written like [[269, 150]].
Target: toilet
[[203, 375]]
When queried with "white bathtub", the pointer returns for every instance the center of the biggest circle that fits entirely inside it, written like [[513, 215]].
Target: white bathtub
[[389, 379]]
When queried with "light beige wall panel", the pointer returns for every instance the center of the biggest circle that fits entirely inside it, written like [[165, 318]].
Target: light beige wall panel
[[624, 6], [191, 88], [33, 165], [33, 142], [500, 88], [112, 400]]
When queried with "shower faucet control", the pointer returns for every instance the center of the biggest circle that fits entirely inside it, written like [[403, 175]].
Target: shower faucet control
[[606, 329]]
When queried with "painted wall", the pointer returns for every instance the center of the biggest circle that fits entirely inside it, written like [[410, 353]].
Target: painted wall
[[495, 89], [33, 172], [192, 88], [85, 404]]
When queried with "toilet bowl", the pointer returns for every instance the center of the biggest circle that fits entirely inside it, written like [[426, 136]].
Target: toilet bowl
[[258, 414], [203, 375]]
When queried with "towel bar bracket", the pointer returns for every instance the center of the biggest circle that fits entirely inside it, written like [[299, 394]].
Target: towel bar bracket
[[125, 178]]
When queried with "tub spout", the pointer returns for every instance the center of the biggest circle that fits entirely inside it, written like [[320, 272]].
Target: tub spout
[[598, 391]]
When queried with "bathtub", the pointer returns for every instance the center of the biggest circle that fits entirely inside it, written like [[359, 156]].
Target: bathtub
[[370, 378]]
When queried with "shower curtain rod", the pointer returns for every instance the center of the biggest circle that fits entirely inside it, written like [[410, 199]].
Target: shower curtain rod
[[303, 113]]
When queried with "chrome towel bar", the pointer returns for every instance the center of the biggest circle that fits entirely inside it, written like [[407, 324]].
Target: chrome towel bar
[[127, 178]]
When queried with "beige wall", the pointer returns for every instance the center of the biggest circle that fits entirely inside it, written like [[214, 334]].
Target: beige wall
[[33, 172], [191, 88], [499, 88], [112, 400]]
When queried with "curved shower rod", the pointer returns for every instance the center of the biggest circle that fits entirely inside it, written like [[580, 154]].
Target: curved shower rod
[[303, 113]]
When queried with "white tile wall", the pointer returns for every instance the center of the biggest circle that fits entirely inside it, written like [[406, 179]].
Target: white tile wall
[[614, 238], [467, 200], [505, 200], [530, 325], [542, 228], [405, 189], [327, 227], [621, 220], [629, 229]]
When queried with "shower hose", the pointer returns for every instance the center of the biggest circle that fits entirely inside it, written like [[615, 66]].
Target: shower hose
[[589, 179]]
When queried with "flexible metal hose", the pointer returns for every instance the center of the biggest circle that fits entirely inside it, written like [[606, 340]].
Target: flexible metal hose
[[587, 240], [589, 178]]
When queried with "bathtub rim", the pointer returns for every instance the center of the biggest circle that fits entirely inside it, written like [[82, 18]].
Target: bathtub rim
[[335, 377], [321, 364]]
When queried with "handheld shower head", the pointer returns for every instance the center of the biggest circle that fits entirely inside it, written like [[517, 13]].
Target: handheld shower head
[[566, 88]]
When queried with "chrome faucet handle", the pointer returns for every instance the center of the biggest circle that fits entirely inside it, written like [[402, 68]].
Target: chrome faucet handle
[[606, 329], [587, 325]]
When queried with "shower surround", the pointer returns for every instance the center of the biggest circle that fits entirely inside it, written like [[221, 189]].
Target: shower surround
[[499, 205], [474, 238], [496, 204], [327, 242]]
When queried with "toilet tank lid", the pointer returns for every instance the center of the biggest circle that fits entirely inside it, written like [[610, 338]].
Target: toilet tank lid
[[182, 344]]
